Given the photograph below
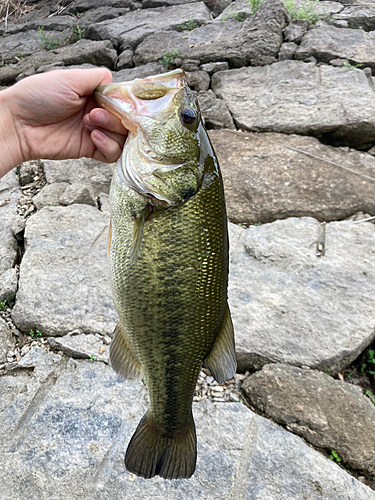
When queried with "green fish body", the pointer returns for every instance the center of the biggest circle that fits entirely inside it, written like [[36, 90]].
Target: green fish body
[[169, 265]]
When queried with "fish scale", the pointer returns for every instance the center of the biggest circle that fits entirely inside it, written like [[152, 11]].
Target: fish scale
[[169, 269]]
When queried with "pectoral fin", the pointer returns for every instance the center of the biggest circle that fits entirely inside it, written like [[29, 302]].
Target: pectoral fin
[[122, 358], [139, 222], [222, 358]]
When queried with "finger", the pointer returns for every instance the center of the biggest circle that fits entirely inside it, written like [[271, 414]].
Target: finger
[[99, 117], [109, 150]]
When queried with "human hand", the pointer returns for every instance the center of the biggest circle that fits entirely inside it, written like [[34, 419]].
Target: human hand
[[53, 115]]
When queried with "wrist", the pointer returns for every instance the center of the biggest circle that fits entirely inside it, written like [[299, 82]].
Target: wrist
[[10, 146]]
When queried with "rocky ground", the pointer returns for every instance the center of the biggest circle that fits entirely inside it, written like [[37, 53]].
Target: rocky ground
[[287, 92]]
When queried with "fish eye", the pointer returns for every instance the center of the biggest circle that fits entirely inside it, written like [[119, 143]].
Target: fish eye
[[188, 116]]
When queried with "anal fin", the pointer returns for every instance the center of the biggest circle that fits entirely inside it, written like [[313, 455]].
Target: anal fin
[[122, 358], [222, 358]]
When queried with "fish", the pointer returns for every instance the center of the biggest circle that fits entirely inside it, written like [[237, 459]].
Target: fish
[[168, 254]]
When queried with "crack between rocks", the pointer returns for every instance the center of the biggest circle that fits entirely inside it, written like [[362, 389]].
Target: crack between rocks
[[240, 482]]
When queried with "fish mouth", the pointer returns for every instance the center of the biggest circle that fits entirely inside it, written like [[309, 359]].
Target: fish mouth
[[150, 96]]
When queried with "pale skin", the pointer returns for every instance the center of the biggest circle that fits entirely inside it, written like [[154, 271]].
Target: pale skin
[[54, 116]]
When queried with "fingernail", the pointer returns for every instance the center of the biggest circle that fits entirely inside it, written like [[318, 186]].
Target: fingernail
[[87, 122], [98, 118]]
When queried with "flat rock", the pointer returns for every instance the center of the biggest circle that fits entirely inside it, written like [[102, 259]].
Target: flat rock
[[128, 31], [126, 75], [327, 42], [9, 195], [101, 14], [7, 342], [238, 10], [64, 277], [49, 195], [78, 192], [72, 434], [292, 97], [358, 16], [255, 41], [149, 4], [84, 169], [15, 47], [271, 176], [81, 346], [297, 292], [8, 284], [214, 111], [328, 413]]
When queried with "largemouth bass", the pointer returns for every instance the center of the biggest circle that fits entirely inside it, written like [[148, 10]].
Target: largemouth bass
[[169, 265]]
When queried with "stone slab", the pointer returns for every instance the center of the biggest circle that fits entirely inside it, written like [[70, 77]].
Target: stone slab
[[271, 176], [10, 193], [126, 32], [292, 97], [292, 304], [81, 346], [64, 276], [328, 413], [358, 17], [7, 342], [69, 442]]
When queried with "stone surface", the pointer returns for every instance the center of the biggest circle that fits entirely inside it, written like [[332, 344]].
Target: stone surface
[[79, 192], [287, 51], [211, 68], [8, 284], [15, 47], [50, 194], [64, 278], [65, 436], [149, 4], [274, 176], [81, 346], [290, 304], [125, 75], [6, 342], [328, 413], [214, 111], [295, 31], [255, 41], [238, 10], [101, 14], [358, 16], [9, 196], [82, 170], [126, 32], [292, 97], [327, 42], [125, 60], [198, 80]]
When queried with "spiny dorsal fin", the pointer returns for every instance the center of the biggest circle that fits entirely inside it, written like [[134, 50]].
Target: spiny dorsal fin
[[222, 358], [122, 358]]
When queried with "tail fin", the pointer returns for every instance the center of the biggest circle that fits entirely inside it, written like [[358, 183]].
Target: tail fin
[[151, 453]]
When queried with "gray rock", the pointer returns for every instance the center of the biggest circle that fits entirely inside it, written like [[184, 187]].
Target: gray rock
[[339, 63], [287, 51], [295, 31], [64, 277], [27, 172], [80, 6], [84, 169], [54, 23], [101, 14], [274, 176], [7, 343], [79, 192], [214, 111], [238, 10], [49, 195], [256, 41], [126, 75], [149, 4], [81, 346], [15, 47], [125, 60], [9, 195], [220, 5], [55, 66], [198, 80], [327, 42], [340, 24], [358, 16], [128, 31], [328, 413], [8, 284], [334, 104], [290, 304], [72, 431], [18, 227], [190, 65], [212, 68]]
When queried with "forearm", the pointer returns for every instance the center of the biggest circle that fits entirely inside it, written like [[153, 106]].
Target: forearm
[[10, 148]]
